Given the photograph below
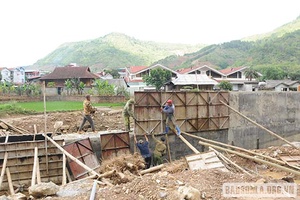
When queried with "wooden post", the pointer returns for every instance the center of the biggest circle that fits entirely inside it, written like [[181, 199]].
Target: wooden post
[[34, 167], [3, 168], [229, 161], [236, 148], [45, 126], [38, 173], [64, 176], [152, 169], [168, 147], [189, 144], [72, 157], [10, 184], [260, 126], [286, 169], [93, 192]]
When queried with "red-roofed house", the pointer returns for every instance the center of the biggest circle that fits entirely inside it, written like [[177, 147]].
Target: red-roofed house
[[61, 74], [134, 76], [236, 76]]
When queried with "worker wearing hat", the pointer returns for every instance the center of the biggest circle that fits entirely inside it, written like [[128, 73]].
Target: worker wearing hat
[[169, 109], [127, 113], [159, 151]]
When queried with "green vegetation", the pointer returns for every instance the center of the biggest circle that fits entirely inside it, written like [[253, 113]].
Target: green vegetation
[[112, 51], [13, 108], [157, 78], [59, 106], [225, 85]]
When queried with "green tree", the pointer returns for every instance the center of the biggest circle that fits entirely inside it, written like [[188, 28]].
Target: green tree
[[104, 88], [51, 84], [69, 86], [158, 78], [113, 72], [121, 91], [250, 73], [225, 85]]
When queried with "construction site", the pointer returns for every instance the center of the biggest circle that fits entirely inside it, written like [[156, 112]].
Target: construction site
[[233, 145]]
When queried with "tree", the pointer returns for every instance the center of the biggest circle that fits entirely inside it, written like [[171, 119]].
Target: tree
[[250, 73], [69, 86], [113, 72], [104, 88], [225, 85], [158, 77]]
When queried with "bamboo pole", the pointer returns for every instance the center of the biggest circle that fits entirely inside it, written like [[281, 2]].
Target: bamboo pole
[[188, 144], [168, 147], [14, 128], [252, 158], [72, 157], [152, 169], [236, 148], [229, 161], [4, 162], [3, 168], [93, 192], [33, 177], [38, 172], [45, 126], [260, 126], [64, 175], [10, 184]]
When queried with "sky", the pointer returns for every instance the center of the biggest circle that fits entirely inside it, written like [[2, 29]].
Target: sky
[[31, 29]]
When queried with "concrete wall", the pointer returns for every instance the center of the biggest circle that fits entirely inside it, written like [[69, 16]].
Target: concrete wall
[[278, 112]]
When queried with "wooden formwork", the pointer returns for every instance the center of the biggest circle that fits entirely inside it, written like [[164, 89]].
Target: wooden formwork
[[194, 111], [20, 161]]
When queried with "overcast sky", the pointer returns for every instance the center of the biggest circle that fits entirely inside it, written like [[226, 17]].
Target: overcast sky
[[31, 29]]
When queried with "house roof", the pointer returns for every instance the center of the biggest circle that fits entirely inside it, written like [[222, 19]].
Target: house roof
[[274, 83], [135, 69], [196, 67], [194, 79], [69, 72], [231, 70]]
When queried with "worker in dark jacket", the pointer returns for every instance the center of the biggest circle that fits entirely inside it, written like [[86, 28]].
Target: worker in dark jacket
[[127, 113], [169, 110], [144, 150]]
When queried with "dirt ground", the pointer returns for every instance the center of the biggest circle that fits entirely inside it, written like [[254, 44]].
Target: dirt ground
[[161, 184]]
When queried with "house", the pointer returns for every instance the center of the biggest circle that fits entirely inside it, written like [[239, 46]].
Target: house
[[280, 85], [19, 75], [61, 74], [134, 77], [6, 75], [236, 76], [192, 81], [29, 73]]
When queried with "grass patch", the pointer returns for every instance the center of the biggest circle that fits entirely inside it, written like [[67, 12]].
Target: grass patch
[[13, 108], [54, 106]]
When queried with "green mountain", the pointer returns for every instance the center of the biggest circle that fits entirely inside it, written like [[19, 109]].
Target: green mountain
[[277, 48], [114, 50]]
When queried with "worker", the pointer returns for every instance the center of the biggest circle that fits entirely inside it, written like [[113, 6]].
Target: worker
[[159, 151], [87, 111], [169, 109], [144, 149], [127, 113]]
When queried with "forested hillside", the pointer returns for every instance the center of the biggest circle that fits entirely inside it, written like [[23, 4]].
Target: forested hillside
[[278, 52], [112, 51]]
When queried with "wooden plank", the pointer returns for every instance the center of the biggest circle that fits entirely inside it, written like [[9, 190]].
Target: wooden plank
[[11, 187], [207, 160]]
